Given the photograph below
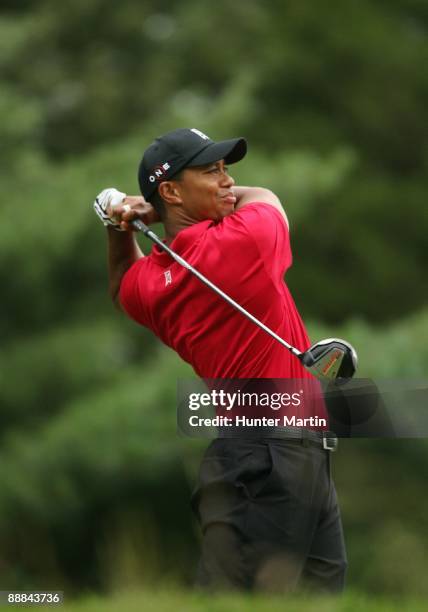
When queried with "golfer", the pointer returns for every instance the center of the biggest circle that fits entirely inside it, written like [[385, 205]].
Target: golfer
[[267, 507]]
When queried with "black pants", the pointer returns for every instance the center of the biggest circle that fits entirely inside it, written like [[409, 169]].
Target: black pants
[[269, 517]]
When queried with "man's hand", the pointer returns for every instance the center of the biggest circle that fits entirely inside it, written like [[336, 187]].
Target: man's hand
[[117, 210], [134, 207], [105, 203]]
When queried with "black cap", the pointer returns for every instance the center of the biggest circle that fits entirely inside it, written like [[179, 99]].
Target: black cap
[[180, 149]]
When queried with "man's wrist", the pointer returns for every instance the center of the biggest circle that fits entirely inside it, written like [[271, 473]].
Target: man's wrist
[[120, 234]]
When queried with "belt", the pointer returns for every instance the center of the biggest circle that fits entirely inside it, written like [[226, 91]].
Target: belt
[[326, 440]]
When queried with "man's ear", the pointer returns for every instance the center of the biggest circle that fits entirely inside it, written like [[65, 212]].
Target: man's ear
[[169, 192]]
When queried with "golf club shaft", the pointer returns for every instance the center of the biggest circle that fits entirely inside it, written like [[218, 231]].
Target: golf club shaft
[[152, 236]]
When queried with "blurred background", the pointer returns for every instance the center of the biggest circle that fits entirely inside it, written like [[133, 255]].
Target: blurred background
[[333, 98]]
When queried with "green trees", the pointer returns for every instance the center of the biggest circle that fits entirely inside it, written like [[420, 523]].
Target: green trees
[[318, 81], [332, 99]]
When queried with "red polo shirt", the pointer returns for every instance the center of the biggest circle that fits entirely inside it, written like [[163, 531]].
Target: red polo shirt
[[246, 255]]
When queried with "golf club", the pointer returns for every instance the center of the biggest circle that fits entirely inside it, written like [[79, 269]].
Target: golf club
[[330, 359]]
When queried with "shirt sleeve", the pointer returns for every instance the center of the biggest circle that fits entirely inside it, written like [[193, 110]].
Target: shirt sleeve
[[264, 225], [129, 296]]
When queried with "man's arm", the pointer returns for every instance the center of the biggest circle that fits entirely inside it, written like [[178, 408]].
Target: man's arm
[[123, 251], [247, 195]]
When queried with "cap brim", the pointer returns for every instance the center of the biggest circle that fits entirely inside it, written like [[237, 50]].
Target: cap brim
[[231, 151]]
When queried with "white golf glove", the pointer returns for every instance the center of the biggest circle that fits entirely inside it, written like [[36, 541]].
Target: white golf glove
[[108, 197]]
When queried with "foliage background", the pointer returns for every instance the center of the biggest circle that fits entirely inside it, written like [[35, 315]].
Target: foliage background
[[332, 97]]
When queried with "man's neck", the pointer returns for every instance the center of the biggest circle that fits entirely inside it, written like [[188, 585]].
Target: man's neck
[[175, 223]]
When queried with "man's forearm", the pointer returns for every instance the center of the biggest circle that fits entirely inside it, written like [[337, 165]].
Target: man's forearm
[[240, 192], [123, 251], [247, 195]]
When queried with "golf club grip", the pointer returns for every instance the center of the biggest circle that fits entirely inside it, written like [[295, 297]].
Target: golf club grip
[[140, 226]]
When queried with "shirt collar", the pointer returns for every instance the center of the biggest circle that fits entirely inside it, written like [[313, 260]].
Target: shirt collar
[[185, 239]]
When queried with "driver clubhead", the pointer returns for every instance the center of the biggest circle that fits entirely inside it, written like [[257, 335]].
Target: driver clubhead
[[331, 359]]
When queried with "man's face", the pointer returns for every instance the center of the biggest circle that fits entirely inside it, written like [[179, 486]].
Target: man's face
[[206, 192]]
